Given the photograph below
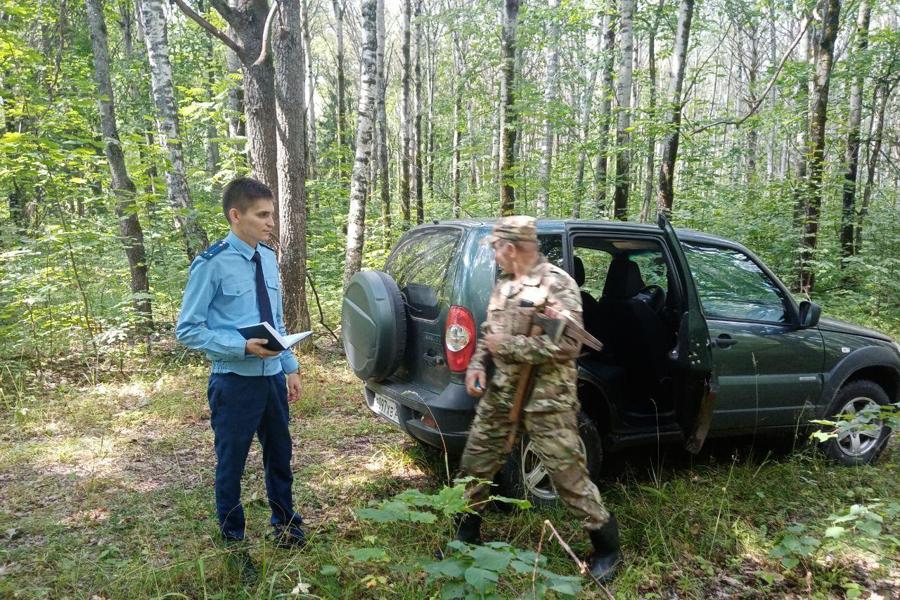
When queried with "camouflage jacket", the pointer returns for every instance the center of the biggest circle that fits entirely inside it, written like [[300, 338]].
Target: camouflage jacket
[[554, 360]]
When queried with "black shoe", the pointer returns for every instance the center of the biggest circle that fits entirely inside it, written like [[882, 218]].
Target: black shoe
[[289, 537], [604, 561], [240, 563], [468, 528]]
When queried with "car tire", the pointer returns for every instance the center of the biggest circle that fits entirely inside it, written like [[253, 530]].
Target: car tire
[[860, 445], [521, 476], [373, 325]]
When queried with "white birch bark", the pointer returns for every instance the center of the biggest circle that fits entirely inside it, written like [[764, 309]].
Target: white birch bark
[[550, 92], [365, 117], [155, 36], [130, 231], [623, 99]]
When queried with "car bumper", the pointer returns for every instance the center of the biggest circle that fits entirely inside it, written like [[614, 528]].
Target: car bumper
[[438, 420]]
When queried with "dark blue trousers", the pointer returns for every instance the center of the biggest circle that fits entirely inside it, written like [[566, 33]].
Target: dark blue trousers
[[240, 407]]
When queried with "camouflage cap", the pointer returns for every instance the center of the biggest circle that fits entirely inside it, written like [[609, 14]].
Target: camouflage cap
[[518, 228]]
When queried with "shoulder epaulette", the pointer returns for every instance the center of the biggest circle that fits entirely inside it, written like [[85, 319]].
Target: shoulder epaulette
[[213, 250], [267, 246]]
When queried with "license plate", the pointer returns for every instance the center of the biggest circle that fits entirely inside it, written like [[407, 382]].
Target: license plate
[[386, 407]]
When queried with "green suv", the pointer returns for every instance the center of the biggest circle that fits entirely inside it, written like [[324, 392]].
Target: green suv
[[699, 337]]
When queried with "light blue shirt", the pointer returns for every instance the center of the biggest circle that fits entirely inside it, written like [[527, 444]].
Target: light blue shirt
[[220, 296]]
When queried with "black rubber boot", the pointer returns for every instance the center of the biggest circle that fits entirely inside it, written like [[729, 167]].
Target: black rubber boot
[[604, 561], [468, 528]]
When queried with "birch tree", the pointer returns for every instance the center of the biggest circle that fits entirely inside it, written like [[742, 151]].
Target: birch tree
[[130, 231], [356, 217], [851, 156], [155, 36], [550, 84], [664, 194], [405, 115], [824, 59], [508, 117], [381, 128], [607, 52], [623, 119]]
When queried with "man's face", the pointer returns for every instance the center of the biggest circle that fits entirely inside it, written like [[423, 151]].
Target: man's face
[[256, 223], [504, 254]]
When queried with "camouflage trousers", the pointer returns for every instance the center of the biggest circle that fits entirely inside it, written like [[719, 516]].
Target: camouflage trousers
[[554, 436]]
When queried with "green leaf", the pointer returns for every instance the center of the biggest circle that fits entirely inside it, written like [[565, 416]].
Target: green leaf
[[490, 559], [328, 570], [453, 591], [480, 579], [519, 503], [834, 531], [567, 586], [789, 562], [869, 527], [445, 568], [368, 554]]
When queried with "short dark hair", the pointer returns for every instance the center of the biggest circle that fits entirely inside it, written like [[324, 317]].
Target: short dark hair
[[242, 193]]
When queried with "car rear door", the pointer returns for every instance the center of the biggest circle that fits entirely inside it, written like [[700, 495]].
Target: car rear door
[[423, 265], [692, 355]]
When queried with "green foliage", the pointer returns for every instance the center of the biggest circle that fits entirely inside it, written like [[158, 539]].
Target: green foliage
[[465, 571]]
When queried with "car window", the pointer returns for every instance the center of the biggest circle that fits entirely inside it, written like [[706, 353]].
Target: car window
[[551, 248], [651, 263], [732, 286], [420, 264]]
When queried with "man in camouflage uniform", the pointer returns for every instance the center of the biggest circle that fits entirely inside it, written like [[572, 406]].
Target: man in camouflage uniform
[[528, 284]]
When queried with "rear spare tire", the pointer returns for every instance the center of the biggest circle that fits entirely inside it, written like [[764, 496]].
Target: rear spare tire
[[373, 325]]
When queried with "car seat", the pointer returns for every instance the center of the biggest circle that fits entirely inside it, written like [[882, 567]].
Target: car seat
[[589, 306]]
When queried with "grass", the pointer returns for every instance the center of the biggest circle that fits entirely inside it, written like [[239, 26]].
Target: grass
[[107, 493]]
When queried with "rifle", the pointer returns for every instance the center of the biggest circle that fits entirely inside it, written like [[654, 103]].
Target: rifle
[[553, 323]]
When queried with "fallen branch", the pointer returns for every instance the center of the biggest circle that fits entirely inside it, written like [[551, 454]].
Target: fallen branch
[[212, 29], [582, 566], [312, 284]]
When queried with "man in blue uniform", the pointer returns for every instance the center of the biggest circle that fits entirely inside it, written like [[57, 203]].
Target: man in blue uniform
[[235, 283]]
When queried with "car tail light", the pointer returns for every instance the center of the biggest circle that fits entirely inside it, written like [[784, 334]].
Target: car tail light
[[459, 338]]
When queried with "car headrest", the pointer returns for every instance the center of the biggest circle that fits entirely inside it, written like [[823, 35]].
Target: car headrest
[[578, 271], [623, 280]]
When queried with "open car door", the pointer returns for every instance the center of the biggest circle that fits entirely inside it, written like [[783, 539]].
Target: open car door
[[693, 354]]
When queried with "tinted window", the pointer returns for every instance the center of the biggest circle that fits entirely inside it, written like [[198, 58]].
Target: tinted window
[[732, 286], [551, 248], [420, 265]]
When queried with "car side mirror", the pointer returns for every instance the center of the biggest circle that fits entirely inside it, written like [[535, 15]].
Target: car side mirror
[[809, 314]]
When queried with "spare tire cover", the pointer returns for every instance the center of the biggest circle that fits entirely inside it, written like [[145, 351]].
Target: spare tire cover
[[373, 325]]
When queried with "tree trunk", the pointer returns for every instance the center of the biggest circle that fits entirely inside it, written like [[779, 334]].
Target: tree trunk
[[290, 110], [234, 101], [417, 121], [129, 227], [356, 216], [885, 91], [342, 135], [508, 117], [802, 138], [587, 102], [664, 194], [550, 91], [824, 57], [456, 160], [651, 136], [167, 119], [623, 121], [851, 156], [603, 118], [382, 130], [312, 147], [405, 116]]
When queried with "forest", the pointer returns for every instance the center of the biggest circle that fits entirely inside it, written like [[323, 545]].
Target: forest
[[773, 123]]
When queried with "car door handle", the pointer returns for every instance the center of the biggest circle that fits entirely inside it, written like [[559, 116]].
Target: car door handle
[[434, 360], [724, 341]]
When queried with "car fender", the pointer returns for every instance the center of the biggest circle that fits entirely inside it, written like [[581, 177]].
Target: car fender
[[863, 358]]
